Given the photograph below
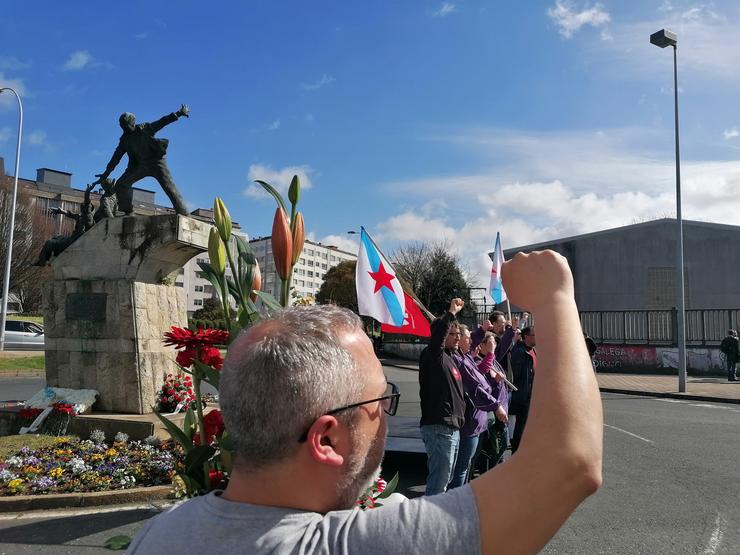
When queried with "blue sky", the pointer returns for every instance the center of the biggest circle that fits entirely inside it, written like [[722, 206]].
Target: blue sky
[[419, 120]]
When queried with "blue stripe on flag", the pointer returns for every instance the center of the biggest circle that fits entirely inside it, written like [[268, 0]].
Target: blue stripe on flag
[[391, 301]]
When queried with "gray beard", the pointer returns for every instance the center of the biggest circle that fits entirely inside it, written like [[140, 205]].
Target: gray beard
[[362, 472]]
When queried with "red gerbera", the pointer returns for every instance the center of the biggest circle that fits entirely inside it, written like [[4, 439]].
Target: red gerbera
[[213, 423], [182, 338]]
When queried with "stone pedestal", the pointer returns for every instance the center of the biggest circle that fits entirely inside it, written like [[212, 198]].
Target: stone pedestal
[[107, 309]]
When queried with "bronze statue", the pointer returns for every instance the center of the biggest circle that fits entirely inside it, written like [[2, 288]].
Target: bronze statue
[[83, 221], [108, 203], [146, 158]]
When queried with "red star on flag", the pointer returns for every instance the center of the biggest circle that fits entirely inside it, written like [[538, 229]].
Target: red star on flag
[[382, 279]]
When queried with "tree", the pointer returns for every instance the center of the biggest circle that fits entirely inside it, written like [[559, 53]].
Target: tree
[[435, 275], [32, 229], [339, 286]]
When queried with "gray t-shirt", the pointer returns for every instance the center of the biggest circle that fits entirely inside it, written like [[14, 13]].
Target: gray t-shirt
[[445, 523]]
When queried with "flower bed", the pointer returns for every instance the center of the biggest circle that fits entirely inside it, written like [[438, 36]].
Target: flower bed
[[71, 465]]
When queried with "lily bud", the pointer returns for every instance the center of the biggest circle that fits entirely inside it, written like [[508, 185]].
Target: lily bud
[[294, 192], [282, 244], [216, 251], [222, 219], [299, 237], [256, 282]]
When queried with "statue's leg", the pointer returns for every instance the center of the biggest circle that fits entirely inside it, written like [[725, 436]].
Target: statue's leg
[[162, 174], [124, 191]]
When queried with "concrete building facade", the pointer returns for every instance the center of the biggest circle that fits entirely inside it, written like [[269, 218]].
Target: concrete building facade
[[633, 267], [308, 273]]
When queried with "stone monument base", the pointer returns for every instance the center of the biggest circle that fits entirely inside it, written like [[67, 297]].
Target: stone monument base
[[107, 335], [107, 310]]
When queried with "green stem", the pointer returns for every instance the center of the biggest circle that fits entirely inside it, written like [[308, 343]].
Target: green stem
[[199, 412], [235, 276]]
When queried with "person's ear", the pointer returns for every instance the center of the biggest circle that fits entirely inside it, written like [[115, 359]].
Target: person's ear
[[324, 438]]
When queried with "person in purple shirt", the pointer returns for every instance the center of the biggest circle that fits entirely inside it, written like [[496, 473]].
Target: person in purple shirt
[[479, 400], [495, 440]]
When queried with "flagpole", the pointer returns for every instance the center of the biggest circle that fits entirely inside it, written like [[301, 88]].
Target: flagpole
[[508, 308]]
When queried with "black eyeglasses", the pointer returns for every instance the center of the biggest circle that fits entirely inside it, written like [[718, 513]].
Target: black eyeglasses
[[389, 402]]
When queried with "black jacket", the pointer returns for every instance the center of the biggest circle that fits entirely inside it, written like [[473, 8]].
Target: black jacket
[[440, 383], [522, 365]]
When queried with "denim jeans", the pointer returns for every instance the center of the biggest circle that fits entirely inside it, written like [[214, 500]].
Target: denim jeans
[[441, 443], [468, 446], [730, 369]]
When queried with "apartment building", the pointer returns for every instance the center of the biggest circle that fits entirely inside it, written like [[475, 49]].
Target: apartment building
[[309, 271]]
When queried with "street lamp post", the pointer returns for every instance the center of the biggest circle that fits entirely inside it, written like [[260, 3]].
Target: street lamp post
[[11, 223], [662, 39]]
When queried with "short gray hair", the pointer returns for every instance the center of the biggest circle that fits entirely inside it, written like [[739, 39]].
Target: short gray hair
[[285, 372]]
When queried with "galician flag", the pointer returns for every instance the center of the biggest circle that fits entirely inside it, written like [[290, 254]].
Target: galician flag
[[415, 323], [497, 286], [379, 293]]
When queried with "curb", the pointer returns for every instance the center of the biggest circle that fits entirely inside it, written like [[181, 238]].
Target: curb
[[21, 503], [666, 395], [22, 374]]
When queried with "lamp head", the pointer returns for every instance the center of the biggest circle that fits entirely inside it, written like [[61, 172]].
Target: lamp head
[[663, 38]]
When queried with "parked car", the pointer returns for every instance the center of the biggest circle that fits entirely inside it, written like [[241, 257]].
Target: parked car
[[23, 335]]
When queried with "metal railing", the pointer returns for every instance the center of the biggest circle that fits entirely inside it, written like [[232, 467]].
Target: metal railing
[[645, 327]]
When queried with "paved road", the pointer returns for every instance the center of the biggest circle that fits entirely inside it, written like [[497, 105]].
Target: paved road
[[670, 486]]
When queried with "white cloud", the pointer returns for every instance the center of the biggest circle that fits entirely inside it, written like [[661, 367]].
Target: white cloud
[[569, 19], [731, 133], [275, 125], [7, 99], [279, 178], [78, 60], [593, 181], [11, 63], [445, 9], [37, 138], [309, 118], [325, 80], [702, 39], [141, 36], [342, 242]]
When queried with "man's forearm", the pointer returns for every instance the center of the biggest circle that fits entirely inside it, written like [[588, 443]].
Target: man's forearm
[[558, 463]]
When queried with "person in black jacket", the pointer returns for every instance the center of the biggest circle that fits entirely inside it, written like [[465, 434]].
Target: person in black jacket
[[523, 363], [442, 401]]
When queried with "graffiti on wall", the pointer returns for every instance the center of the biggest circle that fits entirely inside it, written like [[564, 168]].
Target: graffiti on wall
[[625, 356]]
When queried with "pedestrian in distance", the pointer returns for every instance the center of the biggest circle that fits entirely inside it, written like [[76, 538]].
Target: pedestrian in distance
[[731, 350]]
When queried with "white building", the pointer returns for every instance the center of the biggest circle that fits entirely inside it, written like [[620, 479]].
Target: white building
[[309, 271]]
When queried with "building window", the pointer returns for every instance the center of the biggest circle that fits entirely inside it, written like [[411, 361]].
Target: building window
[[178, 284], [310, 263], [208, 289], [181, 271], [198, 288], [198, 302], [201, 260], [332, 258], [302, 260], [323, 255], [323, 266], [310, 273], [309, 252]]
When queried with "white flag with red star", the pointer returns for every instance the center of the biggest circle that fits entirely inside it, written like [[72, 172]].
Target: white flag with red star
[[379, 293]]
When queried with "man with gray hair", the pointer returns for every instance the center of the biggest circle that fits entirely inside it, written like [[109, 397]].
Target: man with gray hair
[[305, 400]]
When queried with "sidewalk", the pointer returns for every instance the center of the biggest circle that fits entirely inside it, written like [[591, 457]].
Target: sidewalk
[[697, 388]]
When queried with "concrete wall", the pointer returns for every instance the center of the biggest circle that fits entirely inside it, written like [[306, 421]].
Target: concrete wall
[[611, 268], [639, 359]]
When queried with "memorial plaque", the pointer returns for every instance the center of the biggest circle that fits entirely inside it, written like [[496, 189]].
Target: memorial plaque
[[86, 306]]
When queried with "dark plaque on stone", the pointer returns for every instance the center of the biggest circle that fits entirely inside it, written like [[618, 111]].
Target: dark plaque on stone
[[86, 306]]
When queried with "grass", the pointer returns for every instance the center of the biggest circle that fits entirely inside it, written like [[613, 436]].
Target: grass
[[32, 362], [37, 319], [10, 445]]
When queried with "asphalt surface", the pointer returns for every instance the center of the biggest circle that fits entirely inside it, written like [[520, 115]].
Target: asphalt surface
[[670, 486]]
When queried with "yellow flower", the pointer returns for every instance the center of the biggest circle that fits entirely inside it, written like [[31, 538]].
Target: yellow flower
[[96, 457], [15, 483], [56, 472], [111, 453], [31, 470]]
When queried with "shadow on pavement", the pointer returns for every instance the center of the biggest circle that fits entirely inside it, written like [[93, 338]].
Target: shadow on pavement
[[60, 531]]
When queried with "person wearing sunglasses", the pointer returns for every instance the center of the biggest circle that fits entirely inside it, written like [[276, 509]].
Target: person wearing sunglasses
[[305, 403]]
